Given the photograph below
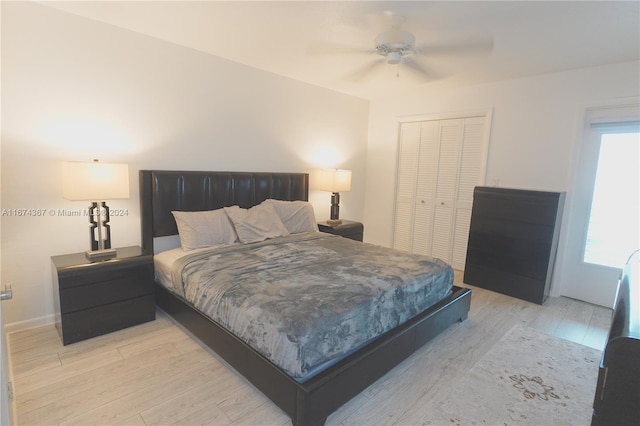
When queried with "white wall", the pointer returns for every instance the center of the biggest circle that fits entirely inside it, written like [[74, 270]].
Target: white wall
[[76, 89], [534, 133]]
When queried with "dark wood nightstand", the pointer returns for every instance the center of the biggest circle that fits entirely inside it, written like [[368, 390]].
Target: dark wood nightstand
[[95, 298], [347, 229]]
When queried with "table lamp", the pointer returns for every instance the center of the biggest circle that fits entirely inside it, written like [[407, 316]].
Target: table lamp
[[95, 181], [335, 181]]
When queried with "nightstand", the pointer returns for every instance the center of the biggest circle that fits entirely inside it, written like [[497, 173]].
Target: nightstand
[[347, 229], [95, 298]]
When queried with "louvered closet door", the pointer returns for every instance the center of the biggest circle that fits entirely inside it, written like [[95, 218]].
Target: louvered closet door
[[406, 185], [440, 163], [469, 176], [425, 178], [445, 189]]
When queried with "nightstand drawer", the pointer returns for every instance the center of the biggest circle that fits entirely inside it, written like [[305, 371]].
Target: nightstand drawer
[[106, 271], [84, 324], [97, 290]]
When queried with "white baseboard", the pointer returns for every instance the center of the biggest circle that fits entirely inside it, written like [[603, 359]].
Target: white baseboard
[[30, 323]]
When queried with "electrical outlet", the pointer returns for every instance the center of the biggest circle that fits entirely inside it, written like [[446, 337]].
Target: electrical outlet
[[10, 390]]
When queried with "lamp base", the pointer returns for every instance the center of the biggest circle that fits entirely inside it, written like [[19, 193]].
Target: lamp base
[[99, 255], [334, 222]]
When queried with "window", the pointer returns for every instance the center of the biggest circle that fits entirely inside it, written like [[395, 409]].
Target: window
[[614, 222]]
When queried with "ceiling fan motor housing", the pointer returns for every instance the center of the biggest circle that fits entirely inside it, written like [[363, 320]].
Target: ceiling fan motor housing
[[394, 45]]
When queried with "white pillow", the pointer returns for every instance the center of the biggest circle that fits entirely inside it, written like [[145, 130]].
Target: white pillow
[[257, 223], [204, 229], [297, 216]]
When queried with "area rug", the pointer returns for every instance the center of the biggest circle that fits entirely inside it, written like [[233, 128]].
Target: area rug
[[527, 378]]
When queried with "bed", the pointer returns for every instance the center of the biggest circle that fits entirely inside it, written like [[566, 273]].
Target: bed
[[307, 395]]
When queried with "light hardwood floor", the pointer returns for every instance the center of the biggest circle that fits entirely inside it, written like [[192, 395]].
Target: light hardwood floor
[[156, 374]]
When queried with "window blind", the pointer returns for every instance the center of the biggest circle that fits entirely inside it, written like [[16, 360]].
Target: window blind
[[619, 118]]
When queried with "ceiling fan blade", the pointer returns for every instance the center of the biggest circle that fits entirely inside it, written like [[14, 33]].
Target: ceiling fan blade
[[468, 44], [360, 73]]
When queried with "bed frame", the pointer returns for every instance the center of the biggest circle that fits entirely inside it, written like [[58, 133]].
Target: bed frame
[[311, 402]]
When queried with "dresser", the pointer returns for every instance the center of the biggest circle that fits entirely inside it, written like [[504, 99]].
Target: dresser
[[94, 298], [513, 239]]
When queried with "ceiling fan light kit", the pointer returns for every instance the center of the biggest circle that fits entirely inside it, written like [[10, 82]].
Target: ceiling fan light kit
[[394, 57]]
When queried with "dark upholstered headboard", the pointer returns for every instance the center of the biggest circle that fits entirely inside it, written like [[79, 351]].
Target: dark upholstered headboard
[[162, 191]]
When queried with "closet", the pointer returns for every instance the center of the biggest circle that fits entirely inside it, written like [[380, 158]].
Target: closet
[[439, 164]]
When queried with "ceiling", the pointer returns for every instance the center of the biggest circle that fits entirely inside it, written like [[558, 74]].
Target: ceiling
[[292, 38]]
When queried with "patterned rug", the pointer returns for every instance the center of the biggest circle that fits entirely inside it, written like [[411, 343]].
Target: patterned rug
[[527, 378]]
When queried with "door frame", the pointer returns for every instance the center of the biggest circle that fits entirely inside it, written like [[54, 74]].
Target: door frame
[[7, 414], [574, 228]]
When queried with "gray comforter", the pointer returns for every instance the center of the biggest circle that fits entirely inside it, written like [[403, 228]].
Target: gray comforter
[[307, 300]]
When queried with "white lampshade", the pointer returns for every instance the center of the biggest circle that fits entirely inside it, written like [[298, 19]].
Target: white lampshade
[[334, 180], [94, 181]]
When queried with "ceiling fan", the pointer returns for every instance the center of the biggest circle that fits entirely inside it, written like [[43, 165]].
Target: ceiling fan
[[398, 47]]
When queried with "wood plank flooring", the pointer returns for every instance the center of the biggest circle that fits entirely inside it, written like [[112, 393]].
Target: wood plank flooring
[[157, 374]]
